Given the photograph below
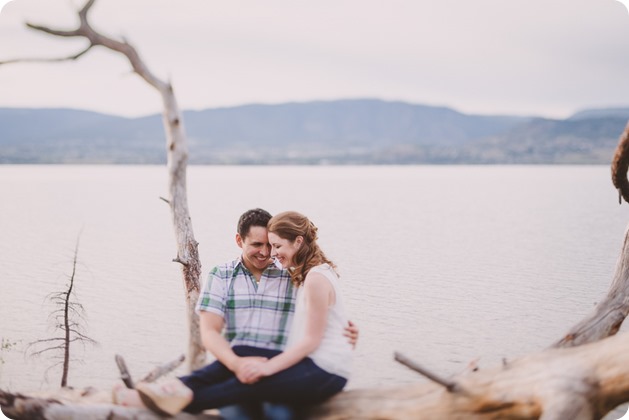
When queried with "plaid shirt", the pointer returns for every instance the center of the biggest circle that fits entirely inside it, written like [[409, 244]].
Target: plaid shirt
[[257, 315]]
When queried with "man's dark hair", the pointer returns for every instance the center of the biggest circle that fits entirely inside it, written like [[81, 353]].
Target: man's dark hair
[[254, 217]]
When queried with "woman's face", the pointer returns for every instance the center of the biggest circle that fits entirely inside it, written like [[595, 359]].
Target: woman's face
[[284, 250]]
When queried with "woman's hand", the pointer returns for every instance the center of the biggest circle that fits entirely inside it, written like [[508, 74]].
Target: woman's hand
[[253, 371], [246, 368]]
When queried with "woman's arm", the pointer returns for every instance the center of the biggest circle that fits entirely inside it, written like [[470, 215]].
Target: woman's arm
[[319, 294]]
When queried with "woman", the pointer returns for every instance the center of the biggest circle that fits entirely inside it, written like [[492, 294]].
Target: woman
[[316, 362]]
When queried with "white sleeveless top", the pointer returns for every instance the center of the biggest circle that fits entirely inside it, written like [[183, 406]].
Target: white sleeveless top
[[334, 354]]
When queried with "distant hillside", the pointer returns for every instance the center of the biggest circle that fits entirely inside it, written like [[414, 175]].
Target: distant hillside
[[601, 113], [575, 140], [347, 131]]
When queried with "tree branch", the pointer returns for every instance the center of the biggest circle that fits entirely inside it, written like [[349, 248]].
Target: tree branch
[[48, 60], [451, 386], [164, 369], [55, 32], [124, 372]]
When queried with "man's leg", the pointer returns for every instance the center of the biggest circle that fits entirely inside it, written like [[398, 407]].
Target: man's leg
[[251, 411], [257, 411], [279, 412]]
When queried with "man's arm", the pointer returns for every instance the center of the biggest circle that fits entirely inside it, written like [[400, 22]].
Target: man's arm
[[211, 327]]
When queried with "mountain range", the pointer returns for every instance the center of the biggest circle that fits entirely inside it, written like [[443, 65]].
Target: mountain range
[[360, 131]]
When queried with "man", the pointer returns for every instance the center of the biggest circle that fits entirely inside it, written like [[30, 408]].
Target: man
[[249, 302]]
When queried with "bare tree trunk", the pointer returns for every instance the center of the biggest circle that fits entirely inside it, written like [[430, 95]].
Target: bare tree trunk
[[66, 321], [177, 156], [187, 246]]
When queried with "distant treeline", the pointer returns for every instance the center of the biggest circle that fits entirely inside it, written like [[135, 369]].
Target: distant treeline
[[367, 131]]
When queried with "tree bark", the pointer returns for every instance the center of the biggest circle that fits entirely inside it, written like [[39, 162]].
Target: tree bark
[[620, 165], [581, 382], [585, 382], [177, 158], [609, 314], [67, 404]]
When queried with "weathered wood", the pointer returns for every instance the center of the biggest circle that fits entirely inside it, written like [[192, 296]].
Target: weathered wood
[[580, 382], [177, 158], [609, 314], [162, 370], [125, 375], [585, 381], [69, 404], [620, 165], [450, 385]]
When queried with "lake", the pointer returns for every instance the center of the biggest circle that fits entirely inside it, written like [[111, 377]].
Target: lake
[[446, 264]]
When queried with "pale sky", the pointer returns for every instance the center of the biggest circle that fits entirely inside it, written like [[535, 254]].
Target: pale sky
[[532, 57]]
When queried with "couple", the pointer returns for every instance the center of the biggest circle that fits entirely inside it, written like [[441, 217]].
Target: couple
[[255, 303]]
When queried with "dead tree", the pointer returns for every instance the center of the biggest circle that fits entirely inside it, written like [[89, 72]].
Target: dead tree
[[177, 157], [67, 319]]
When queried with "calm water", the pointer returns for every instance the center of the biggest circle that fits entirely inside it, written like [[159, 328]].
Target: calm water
[[443, 263]]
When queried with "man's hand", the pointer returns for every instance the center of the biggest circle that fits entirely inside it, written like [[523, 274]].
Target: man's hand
[[351, 332], [253, 371], [244, 368]]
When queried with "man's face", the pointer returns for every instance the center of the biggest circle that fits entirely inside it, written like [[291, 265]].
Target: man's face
[[256, 251]]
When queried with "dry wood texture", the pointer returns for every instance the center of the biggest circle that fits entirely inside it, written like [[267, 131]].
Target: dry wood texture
[[177, 157]]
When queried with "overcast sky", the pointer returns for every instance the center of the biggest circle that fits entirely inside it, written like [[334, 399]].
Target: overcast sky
[[532, 57]]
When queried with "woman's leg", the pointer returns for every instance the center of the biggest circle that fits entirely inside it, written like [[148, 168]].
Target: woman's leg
[[303, 383], [216, 372]]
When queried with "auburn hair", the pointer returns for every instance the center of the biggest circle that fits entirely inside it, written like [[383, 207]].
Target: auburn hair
[[289, 225]]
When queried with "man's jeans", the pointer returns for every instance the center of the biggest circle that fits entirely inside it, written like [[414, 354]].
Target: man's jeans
[[256, 411]]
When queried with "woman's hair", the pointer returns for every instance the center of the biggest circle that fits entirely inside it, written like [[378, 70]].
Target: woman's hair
[[289, 225]]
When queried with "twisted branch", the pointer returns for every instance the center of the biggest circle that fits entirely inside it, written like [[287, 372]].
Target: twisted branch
[[95, 38]]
